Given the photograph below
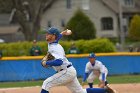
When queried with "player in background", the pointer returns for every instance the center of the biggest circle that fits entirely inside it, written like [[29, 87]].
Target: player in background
[[66, 73], [96, 69]]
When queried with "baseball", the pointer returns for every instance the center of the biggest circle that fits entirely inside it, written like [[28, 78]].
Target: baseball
[[69, 31]]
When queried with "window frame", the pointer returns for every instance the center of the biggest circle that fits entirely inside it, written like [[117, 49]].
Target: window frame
[[68, 4], [107, 23], [85, 4], [129, 3], [49, 23]]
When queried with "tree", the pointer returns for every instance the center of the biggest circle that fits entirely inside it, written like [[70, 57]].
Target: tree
[[81, 26], [28, 13], [134, 30], [5, 6]]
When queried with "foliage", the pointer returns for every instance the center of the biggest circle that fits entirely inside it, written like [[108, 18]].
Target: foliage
[[84, 46], [97, 46], [114, 40], [41, 31], [81, 26], [5, 6], [27, 13], [20, 48], [94, 45], [134, 30]]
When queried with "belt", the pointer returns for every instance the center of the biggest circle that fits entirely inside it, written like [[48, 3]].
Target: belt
[[67, 67]]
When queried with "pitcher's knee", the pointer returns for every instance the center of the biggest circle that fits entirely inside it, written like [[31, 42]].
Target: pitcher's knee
[[46, 86]]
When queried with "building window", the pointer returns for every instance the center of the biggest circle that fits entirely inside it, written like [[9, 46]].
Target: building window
[[68, 4], [49, 23], [107, 23], [62, 23], [85, 4], [129, 3]]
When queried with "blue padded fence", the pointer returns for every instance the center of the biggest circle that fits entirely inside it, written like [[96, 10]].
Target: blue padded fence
[[31, 69]]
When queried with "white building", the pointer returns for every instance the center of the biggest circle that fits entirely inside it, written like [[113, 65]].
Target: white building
[[104, 14]]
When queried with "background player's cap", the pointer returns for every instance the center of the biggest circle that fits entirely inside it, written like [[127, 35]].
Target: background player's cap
[[92, 55], [53, 31]]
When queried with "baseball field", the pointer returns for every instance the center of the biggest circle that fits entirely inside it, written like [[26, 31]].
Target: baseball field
[[122, 84]]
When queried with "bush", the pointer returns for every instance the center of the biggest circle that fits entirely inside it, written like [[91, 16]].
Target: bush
[[81, 26], [134, 30], [85, 46], [20, 48], [95, 45]]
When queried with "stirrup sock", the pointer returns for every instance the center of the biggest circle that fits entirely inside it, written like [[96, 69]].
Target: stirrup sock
[[90, 85], [44, 91], [106, 83]]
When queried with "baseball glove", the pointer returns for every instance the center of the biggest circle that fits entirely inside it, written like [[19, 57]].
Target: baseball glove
[[46, 58]]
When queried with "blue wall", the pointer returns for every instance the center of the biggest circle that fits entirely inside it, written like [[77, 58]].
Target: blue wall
[[17, 70]]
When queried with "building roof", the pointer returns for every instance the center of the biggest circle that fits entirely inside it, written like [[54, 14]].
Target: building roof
[[8, 29], [114, 5], [5, 26]]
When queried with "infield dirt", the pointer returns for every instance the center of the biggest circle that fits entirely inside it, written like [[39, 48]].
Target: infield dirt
[[120, 88]]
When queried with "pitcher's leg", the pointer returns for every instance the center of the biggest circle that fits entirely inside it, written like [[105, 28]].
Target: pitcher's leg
[[44, 91], [75, 86], [60, 78]]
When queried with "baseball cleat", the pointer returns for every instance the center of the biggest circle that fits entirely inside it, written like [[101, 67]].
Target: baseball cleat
[[110, 90], [115, 91]]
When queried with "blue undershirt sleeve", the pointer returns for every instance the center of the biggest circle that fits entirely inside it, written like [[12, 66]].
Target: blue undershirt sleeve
[[59, 37], [85, 77], [56, 62], [103, 76]]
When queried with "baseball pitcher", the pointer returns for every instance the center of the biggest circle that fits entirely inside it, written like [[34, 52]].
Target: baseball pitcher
[[66, 73]]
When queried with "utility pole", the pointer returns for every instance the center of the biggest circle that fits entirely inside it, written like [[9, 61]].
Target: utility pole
[[122, 35]]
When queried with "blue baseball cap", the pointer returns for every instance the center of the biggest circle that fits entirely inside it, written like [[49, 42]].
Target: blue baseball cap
[[53, 31], [92, 55]]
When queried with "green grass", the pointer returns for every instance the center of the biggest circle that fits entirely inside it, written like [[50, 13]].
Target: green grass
[[124, 79], [20, 84], [120, 79], [111, 80]]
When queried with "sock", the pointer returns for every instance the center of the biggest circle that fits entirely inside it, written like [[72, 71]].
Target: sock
[[90, 85], [95, 90], [44, 91], [106, 83]]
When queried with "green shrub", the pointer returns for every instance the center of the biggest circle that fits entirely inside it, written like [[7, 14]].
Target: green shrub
[[20, 48], [82, 27], [84, 46], [134, 29], [97, 46], [44, 47]]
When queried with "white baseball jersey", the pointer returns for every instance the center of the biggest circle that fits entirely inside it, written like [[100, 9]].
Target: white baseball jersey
[[67, 76], [58, 52], [97, 66]]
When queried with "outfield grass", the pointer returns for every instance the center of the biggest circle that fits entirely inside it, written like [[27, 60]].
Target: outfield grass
[[124, 79], [111, 80]]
